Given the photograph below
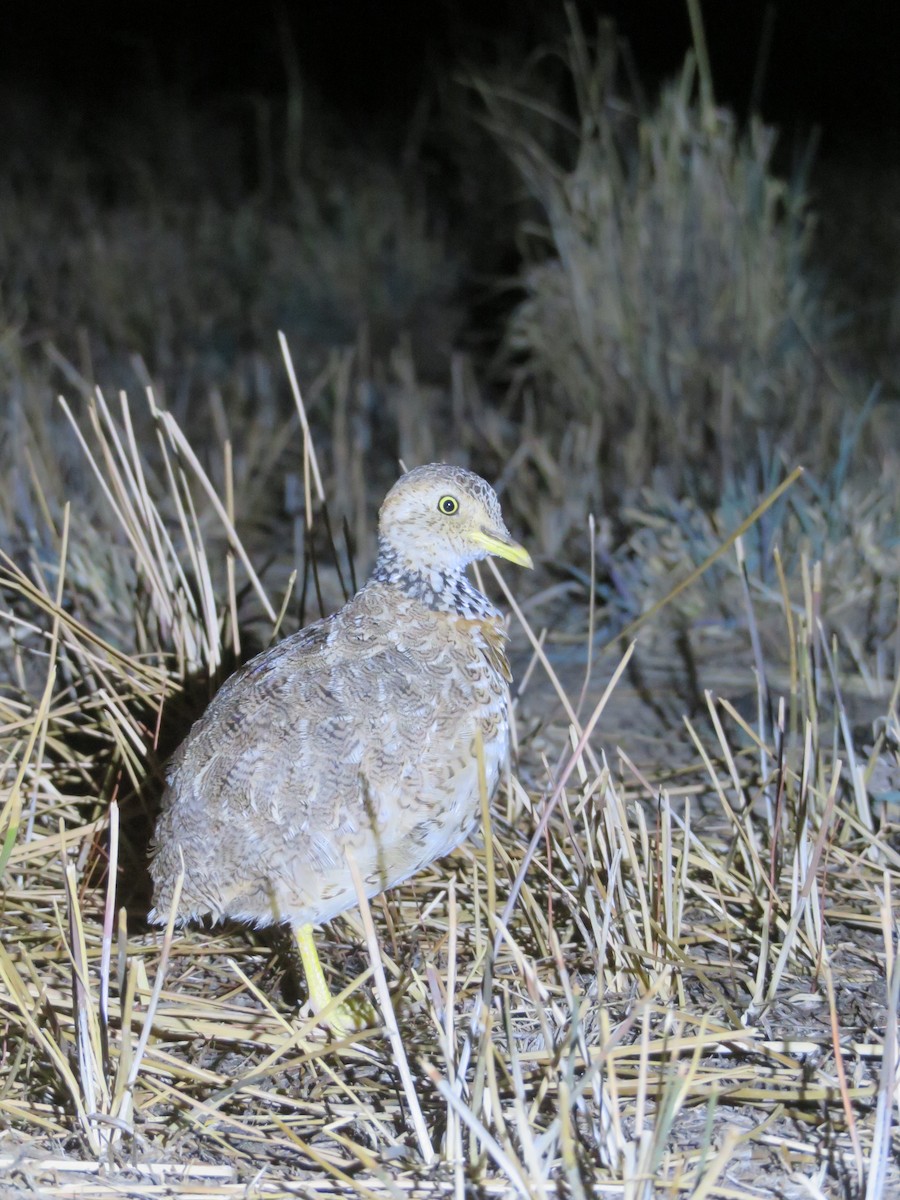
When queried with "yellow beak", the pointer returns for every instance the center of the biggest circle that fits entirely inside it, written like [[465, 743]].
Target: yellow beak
[[502, 545]]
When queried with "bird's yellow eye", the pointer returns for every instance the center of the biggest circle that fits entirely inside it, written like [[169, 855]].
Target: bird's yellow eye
[[448, 505]]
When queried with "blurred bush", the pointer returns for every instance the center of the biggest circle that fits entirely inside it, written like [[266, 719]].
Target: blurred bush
[[665, 287]]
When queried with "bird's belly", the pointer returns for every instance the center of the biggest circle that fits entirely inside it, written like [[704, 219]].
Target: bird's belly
[[403, 824]]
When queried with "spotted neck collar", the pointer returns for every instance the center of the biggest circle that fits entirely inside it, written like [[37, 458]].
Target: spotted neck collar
[[441, 591]]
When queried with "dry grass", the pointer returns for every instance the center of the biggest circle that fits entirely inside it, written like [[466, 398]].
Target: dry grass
[[665, 292], [671, 976], [168, 257]]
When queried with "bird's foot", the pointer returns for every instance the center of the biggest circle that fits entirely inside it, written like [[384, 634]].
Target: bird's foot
[[347, 1017], [343, 1017]]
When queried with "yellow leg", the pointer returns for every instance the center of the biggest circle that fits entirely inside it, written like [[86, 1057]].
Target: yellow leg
[[319, 995], [343, 1019]]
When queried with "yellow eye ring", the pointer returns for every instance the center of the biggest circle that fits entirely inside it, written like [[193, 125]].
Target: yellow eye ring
[[448, 505]]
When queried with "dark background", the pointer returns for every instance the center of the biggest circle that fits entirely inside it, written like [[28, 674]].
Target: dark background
[[117, 118], [831, 64]]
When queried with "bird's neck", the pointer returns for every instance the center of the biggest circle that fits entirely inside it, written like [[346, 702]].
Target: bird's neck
[[440, 589]]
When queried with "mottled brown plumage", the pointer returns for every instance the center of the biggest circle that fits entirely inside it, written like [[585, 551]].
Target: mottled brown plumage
[[358, 734]]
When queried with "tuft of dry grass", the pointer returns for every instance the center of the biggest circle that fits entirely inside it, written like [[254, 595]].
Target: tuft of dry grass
[[666, 300]]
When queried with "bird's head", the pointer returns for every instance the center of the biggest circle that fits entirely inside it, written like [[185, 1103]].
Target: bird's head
[[439, 518]]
